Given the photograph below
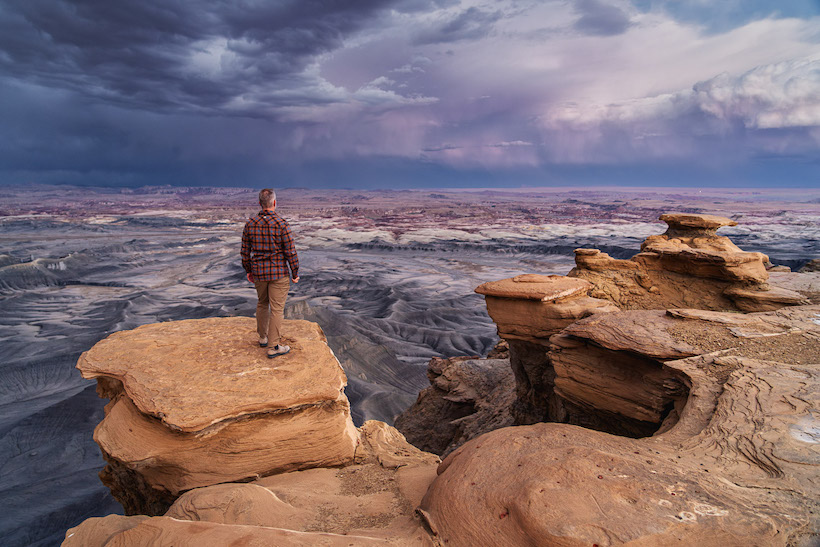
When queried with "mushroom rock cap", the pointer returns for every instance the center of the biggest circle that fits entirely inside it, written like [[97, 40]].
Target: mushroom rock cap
[[684, 221], [546, 288]]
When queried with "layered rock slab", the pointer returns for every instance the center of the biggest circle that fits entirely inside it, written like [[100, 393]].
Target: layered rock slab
[[610, 373], [532, 307], [369, 502], [740, 466], [528, 309], [195, 373], [197, 402]]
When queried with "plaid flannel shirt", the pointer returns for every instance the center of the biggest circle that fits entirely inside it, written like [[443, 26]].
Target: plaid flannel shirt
[[267, 247]]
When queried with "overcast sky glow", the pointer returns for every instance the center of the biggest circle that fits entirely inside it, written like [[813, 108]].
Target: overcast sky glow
[[369, 93]]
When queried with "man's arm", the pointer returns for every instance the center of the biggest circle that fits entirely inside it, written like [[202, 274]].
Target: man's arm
[[289, 250], [245, 251]]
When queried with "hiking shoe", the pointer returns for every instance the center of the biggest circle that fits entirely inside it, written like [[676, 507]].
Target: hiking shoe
[[278, 350], [263, 342]]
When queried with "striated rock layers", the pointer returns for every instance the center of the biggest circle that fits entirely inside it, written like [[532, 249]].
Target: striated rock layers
[[689, 266], [467, 397], [734, 462], [371, 501], [196, 403], [528, 309]]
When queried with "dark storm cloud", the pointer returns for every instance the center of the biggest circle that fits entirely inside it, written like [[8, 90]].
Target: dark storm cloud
[[238, 91], [601, 19], [470, 24], [441, 148], [410, 6], [171, 54]]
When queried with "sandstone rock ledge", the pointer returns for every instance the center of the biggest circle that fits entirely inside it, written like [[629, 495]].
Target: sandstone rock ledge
[[738, 465], [196, 403], [371, 501]]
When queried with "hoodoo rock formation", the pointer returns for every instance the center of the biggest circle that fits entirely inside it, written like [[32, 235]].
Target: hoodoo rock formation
[[740, 465], [528, 309], [689, 266], [697, 426], [196, 403]]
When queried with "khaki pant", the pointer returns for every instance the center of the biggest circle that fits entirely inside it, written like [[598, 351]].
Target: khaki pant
[[270, 308]]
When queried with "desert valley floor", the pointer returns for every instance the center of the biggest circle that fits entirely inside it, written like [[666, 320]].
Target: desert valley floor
[[389, 276]]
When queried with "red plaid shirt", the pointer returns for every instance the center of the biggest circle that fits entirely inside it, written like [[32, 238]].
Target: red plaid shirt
[[267, 247]]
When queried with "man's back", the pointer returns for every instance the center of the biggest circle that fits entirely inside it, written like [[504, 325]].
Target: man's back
[[267, 247]]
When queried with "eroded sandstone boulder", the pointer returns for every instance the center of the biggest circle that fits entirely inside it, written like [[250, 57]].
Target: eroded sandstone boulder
[[739, 467], [610, 373], [811, 266], [528, 309], [688, 266], [369, 502], [197, 403]]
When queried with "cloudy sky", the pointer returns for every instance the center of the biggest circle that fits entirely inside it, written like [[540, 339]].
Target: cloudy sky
[[438, 93]]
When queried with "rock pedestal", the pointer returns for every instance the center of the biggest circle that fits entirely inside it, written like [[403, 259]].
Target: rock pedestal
[[689, 266], [528, 309], [196, 403]]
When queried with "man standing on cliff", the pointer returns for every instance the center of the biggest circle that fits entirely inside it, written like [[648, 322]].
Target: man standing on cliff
[[267, 251]]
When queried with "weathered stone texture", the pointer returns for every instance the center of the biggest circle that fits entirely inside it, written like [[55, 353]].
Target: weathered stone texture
[[197, 402]]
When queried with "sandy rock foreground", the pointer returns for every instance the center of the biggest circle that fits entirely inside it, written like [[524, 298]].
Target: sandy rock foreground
[[725, 405], [369, 502], [740, 466]]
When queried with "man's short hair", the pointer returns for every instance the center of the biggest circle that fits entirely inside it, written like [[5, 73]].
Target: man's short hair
[[266, 198]]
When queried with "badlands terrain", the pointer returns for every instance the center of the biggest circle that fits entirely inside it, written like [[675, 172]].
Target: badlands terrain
[[388, 275]]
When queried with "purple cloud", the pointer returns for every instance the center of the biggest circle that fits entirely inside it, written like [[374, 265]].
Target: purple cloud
[[168, 86]]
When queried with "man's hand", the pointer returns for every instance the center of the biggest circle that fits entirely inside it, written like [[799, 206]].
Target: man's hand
[[250, 278], [296, 279]]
